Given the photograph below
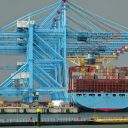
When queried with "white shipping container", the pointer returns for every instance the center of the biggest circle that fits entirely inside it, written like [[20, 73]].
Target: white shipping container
[[57, 103], [20, 63], [24, 24], [21, 75], [126, 77]]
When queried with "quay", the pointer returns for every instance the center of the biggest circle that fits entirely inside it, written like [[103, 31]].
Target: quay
[[44, 110], [60, 121]]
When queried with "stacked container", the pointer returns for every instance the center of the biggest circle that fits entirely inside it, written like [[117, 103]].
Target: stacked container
[[98, 79]]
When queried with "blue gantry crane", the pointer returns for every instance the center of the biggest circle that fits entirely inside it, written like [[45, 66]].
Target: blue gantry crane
[[47, 37]]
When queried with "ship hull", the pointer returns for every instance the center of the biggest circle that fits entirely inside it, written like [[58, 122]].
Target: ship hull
[[100, 101]]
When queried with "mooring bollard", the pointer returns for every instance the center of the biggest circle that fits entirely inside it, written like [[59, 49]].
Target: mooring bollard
[[39, 116]]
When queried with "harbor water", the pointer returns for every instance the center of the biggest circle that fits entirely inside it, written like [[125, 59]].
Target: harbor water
[[82, 115], [77, 126]]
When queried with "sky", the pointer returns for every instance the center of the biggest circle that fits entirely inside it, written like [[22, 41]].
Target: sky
[[10, 10], [112, 9]]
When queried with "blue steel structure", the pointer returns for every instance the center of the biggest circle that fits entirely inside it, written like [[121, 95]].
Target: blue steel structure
[[67, 31]]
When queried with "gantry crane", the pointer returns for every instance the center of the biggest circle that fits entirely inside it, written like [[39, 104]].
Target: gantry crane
[[68, 31]]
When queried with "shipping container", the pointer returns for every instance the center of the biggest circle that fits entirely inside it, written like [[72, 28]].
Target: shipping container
[[103, 79]]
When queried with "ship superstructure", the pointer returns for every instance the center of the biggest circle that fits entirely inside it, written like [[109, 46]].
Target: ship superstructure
[[96, 87]]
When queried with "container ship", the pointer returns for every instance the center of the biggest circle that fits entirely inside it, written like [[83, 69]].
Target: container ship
[[96, 87]]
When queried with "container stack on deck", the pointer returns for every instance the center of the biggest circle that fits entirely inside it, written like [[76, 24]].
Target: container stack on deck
[[98, 79]]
